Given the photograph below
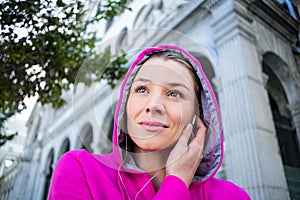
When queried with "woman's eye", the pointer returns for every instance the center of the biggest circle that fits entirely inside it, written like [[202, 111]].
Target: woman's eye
[[141, 90], [176, 94]]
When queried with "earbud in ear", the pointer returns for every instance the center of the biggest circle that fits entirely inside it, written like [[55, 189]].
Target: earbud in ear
[[194, 120]]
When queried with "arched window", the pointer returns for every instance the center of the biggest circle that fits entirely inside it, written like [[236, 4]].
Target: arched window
[[109, 22], [48, 173], [64, 147], [285, 131], [105, 144], [85, 138], [37, 129], [122, 40]]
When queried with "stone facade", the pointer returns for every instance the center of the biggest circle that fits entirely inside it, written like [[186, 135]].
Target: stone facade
[[249, 50], [10, 155]]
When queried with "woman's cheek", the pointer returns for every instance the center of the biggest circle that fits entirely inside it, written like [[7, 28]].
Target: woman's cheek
[[179, 113], [133, 105]]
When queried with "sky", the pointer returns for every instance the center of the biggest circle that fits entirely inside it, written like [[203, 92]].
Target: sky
[[17, 123], [24, 115]]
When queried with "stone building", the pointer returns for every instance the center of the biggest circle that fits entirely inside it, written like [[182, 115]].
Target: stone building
[[10, 154], [250, 51]]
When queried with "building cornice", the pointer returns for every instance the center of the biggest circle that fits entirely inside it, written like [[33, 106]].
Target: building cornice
[[198, 10], [275, 16]]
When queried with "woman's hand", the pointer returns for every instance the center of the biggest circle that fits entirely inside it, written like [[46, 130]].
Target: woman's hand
[[185, 158]]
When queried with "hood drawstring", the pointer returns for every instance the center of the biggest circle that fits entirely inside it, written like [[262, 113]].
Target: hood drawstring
[[145, 185], [123, 184], [121, 179]]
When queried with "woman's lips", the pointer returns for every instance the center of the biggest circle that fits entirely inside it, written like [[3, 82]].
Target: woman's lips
[[152, 126]]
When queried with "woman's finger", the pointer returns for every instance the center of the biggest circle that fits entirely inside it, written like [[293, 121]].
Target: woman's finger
[[201, 132], [197, 144], [181, 146], [186, 133]]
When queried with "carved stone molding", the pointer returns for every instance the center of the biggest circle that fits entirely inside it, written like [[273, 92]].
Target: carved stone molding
[[271, 41], [265, 79], [273, 14], [194, 18], [295, 107], [232, 20], [197, 15]]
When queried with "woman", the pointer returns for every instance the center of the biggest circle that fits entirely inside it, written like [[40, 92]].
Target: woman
[[167, 138]]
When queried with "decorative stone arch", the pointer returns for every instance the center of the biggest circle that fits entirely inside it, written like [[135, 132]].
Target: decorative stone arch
[[207, 68], [291, 86], [48, 170], [142, 15], [151, 14], [85, 138], [36, 129], [282, 92], [109, 23], [10, 184], [64, 147], [210, 71], [122, 40], [6, 190], [107, 129], [284, 74]]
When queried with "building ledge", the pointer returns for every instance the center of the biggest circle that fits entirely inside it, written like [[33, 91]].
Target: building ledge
[[277, 17]]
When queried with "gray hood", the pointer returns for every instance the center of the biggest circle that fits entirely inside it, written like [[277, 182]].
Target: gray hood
[[213, 150]]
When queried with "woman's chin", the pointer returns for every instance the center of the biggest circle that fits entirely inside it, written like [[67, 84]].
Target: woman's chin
[[153, 147]]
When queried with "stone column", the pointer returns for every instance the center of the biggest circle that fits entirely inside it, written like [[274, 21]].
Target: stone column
[[20, 184], [252, 153], [295, 115]]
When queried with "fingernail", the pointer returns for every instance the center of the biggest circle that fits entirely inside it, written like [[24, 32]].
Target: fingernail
[[188, 127]]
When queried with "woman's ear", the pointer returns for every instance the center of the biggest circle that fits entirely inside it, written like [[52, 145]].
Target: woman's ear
[[197, 109]]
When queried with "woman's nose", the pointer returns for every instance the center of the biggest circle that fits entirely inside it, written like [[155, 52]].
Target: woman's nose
[[155, 109], [155, 105]]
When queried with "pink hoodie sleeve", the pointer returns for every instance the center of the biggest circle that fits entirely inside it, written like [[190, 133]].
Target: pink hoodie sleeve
[[68, 180], [173, 188]]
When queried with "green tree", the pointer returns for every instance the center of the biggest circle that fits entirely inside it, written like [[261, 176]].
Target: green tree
[[43, 45]]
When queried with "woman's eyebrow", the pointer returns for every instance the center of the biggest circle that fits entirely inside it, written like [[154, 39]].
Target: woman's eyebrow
[[171, 84], [179, 85], [142, 80]]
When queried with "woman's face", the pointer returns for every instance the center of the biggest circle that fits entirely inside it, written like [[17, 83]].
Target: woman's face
[[161, 103]]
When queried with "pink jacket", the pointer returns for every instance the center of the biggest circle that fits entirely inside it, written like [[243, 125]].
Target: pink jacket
[[81, 175]]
